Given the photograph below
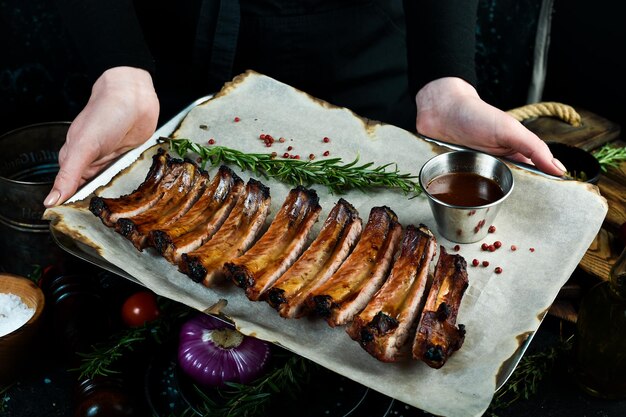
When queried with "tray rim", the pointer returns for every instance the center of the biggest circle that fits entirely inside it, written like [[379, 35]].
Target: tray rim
[[68, 245]]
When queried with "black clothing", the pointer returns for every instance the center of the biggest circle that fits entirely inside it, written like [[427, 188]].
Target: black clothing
[[352, 53]]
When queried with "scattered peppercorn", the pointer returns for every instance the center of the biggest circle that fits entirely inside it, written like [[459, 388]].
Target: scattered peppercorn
[[497, 244], [281, 139], [274, 154], [326, 140], [484, 246], [532, 249], [236, 119], [475, 262], [491, 229], [457, 248], [326, 153], [286, 155], [492, 248], [498, 270], [203, 127], [211, 141], [485, 263], [289, 148], [312, 157]]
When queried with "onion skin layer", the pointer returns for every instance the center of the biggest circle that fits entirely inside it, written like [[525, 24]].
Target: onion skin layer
[[204, 356]]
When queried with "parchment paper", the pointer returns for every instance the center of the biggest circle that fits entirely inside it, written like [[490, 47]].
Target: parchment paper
[[559, 219]]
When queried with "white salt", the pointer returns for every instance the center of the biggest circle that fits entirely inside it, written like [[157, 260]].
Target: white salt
[[13, 313]]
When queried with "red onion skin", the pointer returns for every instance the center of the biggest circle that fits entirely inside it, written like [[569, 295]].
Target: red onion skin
[[212, 365]]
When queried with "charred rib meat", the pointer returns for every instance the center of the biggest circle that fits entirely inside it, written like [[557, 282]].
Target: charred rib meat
[[202, 220], [329, 249], [180, 190], [384, 328], [232, 239], [279, 247], [437, 335], [350, 288], [109, 210]]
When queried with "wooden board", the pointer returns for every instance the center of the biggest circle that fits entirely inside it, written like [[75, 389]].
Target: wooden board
[[594, 132]]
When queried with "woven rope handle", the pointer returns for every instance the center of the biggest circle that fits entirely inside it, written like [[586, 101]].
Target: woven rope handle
[[548, 108]]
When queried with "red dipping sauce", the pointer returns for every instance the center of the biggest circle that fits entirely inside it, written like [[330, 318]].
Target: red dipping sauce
[[465, 189]]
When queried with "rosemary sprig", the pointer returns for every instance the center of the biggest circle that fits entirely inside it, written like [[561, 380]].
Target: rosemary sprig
[[610, 156], [99, 361], [239, 400], [103, 357], [333, 173], [525, 380]]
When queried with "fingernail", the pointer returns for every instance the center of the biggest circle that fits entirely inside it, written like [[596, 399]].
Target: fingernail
[[52, 198], [559, 165]]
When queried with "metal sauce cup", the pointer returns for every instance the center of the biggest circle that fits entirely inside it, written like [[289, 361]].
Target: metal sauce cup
[[458, 223]]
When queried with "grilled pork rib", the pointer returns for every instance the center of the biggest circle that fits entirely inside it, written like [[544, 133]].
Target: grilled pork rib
[[109, 210], [350, 288], [384, 328], [202, 220], [232, 239], [180, 192], [437, 335], [331, 247], [279, 247]]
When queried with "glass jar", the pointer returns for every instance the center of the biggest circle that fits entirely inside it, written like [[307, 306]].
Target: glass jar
[[600, 340]]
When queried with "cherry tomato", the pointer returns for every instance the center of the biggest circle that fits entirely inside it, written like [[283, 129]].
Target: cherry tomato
[[140, 308]]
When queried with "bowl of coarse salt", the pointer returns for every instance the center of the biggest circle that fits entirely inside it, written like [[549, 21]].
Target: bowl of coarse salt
[[21, 306]]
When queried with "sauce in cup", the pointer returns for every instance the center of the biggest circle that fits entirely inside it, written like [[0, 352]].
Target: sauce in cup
[[464, 189]]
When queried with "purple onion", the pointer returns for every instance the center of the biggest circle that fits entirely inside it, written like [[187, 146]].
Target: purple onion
[[212, 352]]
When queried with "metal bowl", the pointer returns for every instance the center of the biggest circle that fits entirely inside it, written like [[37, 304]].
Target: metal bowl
[[465, 224], [581, 165]]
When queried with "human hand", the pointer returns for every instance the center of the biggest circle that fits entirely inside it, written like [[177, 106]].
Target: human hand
[[451, 110], [121, 114]]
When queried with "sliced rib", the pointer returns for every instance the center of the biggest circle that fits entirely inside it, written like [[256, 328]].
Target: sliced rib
[[279, 247], [240, 229], [145, 196], [385, 328], [177, 188], [329, 249], [202, 220], [437, 335], [350, 288]]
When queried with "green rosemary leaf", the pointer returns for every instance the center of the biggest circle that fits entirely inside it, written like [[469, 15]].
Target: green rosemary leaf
[[526, 379], [610, 156], [333, 173], [241, 400]]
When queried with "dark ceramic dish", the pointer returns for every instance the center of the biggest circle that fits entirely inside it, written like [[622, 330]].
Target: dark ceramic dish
[[580, 164]]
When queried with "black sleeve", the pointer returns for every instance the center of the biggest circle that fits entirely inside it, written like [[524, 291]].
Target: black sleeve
[[441, 40], [107, 34]]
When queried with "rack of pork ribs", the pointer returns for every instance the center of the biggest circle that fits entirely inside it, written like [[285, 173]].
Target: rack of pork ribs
[[374, 279]]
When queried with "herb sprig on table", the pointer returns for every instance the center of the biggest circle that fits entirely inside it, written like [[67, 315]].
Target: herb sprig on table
[[241, 400], [610, 156], [525, 381], [333, 173]]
